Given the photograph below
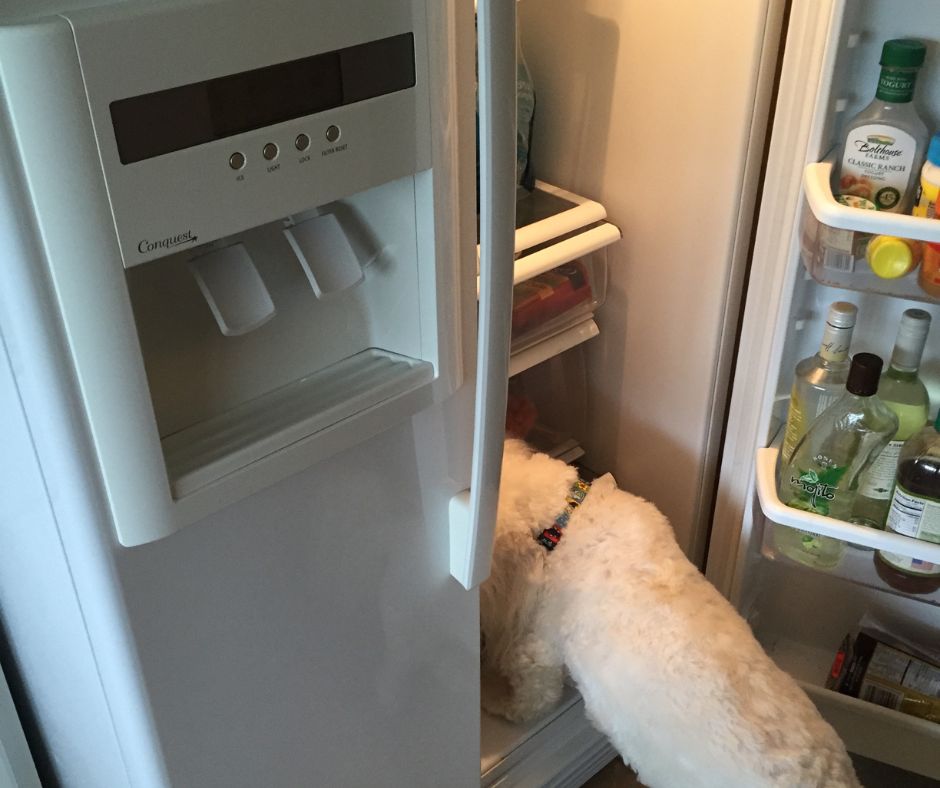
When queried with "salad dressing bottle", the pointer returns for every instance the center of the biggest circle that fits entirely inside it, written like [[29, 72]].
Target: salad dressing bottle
[[884, 144]]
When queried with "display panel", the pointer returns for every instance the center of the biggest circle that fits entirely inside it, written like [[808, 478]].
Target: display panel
[[181, 117]]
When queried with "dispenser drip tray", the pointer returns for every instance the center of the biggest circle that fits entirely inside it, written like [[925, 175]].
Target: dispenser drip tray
[[205, 452]]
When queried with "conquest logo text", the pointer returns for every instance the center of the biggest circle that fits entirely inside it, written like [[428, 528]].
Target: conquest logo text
[[146, 246]]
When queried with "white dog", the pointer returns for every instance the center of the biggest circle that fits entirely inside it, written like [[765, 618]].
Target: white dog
[[668, 670]]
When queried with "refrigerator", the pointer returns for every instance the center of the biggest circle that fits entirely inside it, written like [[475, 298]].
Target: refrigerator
[[707, 132], [252, 417]]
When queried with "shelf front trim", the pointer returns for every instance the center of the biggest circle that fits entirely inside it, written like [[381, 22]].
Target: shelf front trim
[[781, 514], [552, 346], [583, 213], [816, 187]]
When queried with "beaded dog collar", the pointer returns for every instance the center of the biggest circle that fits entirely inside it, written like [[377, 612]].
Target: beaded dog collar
[[550, 537]]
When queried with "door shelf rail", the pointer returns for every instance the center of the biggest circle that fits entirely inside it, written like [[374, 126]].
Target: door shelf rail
[[777, 512], [550, 212], [856, 566], [834, 239]]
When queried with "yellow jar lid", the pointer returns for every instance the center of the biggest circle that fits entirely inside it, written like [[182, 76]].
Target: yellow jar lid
[[889, 257]]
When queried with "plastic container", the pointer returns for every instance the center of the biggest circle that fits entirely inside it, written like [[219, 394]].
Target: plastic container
[[926, 203], [834, 239], [557, 299]]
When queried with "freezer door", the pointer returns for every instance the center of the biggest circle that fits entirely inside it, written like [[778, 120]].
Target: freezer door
[[313, 635], [309, 633]]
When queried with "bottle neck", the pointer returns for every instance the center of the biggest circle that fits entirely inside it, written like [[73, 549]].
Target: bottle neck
[[896, 85], [902, 374], [835, 343], [909, 347]]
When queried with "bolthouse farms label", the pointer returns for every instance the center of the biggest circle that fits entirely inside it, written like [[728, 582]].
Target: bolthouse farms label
[[877, 163]]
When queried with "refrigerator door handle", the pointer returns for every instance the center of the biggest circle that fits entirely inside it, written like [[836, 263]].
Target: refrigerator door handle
[[473, 512]]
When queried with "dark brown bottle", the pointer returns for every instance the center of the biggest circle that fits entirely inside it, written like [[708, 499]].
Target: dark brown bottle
[[915, 511]]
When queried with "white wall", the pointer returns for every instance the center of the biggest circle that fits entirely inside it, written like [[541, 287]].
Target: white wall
[[657, 110]]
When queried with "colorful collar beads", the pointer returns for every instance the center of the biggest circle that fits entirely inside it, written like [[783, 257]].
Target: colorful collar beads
[[550, 537]]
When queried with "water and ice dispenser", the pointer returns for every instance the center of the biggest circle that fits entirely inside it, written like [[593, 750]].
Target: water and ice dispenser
[[274, 243]]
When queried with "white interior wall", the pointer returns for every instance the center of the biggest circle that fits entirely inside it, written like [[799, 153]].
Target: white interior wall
[[655, 109]]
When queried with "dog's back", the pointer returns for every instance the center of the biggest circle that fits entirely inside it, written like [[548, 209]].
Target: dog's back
[[668, 670]]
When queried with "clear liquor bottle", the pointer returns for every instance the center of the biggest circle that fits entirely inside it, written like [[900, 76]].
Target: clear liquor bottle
[[902, 390], [820, 379], [883, 147], [822, 475]]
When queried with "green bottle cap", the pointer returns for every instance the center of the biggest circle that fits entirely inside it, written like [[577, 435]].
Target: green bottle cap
[[903, 53], [936, 423]]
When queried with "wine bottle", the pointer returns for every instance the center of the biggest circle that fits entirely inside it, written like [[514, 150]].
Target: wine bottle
[[820, 380], [904, 393]]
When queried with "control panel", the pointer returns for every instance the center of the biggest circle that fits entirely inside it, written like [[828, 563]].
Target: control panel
[[228, 128]]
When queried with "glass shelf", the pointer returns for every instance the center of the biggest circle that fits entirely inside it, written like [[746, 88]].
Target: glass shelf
[[834, 239], [560, 272]]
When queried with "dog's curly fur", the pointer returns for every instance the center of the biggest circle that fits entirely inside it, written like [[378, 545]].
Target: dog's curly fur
[[668, 670]]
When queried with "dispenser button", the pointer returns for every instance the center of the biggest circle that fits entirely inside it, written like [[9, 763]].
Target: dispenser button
[[236, 161], [332, 133], [269, 151], [302, 142]]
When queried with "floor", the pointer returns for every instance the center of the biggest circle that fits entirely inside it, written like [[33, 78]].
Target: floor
[[614, 775], [871, 773]]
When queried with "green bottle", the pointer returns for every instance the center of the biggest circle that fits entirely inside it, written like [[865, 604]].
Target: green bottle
[[822, 474]]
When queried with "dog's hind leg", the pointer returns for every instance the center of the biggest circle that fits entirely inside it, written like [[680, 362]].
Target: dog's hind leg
[[535, 677]]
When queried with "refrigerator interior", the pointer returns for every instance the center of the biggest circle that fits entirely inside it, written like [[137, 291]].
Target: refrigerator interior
[[643, 399], [649, 276], [801, 614], [560, 276], [630, 101]]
